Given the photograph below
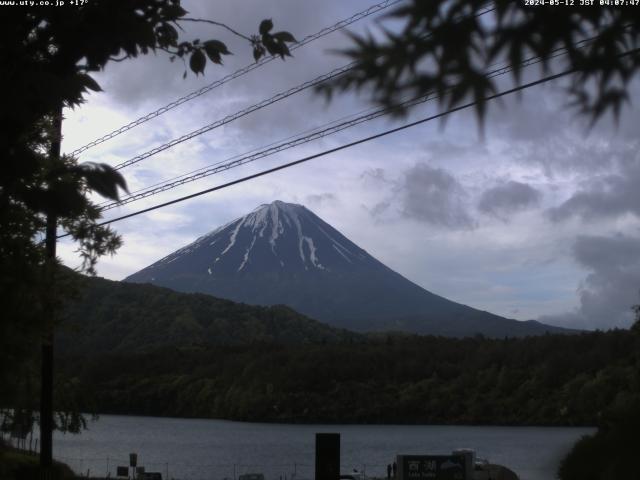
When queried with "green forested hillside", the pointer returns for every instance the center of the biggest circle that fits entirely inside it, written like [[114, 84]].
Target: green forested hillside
[[547, 380], [123, 317], [141, 349]]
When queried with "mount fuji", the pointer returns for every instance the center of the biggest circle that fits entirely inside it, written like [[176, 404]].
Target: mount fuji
[[282, 253]]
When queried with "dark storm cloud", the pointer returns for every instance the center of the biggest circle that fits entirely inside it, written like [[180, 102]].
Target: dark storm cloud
[[605, 197], [321, 198], [434, 196], [508, 198], [611, 288]]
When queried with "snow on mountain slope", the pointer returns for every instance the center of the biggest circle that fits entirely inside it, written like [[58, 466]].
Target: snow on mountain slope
[[280, 236]]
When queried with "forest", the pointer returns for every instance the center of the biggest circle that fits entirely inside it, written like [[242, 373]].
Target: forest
[[545, 380]]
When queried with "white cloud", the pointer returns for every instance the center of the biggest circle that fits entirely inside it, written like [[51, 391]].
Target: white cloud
[[434, 196], [612, 286]]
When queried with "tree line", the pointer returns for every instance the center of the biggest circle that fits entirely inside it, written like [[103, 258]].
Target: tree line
[[546, 380]]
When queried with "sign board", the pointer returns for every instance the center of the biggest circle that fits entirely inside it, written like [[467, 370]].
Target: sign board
[[251, 476], [327, 456], [431, 467], [150, 476], [122, 472]]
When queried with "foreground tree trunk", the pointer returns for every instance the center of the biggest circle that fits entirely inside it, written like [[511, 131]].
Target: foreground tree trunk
[[46, 388]]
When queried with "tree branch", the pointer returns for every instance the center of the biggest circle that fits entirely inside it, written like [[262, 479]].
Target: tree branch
[[202, 20], [122, 59], [167, 50]]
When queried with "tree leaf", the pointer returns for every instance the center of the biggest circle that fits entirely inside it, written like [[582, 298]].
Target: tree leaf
[[258, 52], [284, 50], [89, 82], [265, 26], [284, 37], [270, 44], [197, 62], [218, 46], [101, 178], [174, 11], [214, 48], [214, 55]]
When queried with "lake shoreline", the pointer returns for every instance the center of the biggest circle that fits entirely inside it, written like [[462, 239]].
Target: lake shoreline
[[346, 422]]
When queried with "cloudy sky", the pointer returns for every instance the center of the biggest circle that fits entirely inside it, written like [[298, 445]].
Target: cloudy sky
[[537, 217]]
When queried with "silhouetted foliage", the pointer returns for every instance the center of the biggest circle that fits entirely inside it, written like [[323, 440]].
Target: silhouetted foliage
[[636, 323], [17, 465], [612, 452], [48, 55], [546, 380], [445, 47]]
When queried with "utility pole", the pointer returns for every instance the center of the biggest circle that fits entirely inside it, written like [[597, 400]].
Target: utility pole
[[49, 303]]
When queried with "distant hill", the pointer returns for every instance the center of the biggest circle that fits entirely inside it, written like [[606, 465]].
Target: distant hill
[[121, 317], [282, 253]]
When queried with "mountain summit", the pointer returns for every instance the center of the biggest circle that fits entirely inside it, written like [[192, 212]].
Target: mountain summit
[[282, 253]]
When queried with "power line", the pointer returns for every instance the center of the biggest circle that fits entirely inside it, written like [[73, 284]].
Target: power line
[[232, 158], [230, 118], [238, 73], [264, 103], [246, 111], [251, 157], [557, 52], [345, 146], [291, 142]]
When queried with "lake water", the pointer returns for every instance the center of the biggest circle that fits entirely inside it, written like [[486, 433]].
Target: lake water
[[215, 449]]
